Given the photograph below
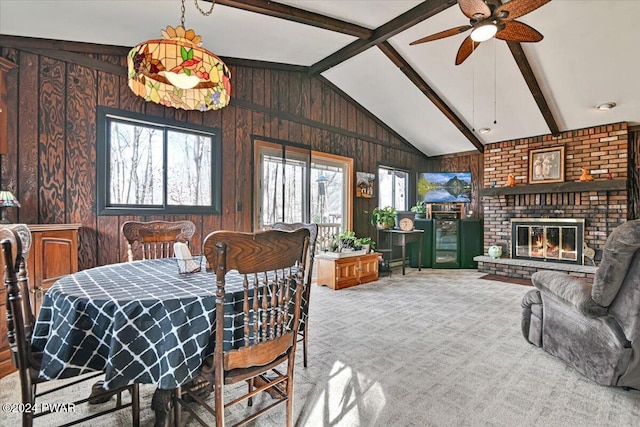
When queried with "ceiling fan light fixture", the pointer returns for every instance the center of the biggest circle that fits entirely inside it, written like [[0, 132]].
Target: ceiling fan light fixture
[[606, 106], [484, 32], [484, 130]]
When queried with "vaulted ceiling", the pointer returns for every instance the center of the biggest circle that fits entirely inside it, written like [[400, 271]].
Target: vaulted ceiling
[[589, 55]]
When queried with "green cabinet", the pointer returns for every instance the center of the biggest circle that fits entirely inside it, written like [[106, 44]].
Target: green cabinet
[[448, 243], [427, 238], [471, 242]]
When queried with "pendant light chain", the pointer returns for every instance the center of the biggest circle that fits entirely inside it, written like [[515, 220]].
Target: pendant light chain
[[213, 3], [203, 12]]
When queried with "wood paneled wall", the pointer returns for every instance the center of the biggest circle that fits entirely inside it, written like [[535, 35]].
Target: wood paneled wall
[[51, 160]]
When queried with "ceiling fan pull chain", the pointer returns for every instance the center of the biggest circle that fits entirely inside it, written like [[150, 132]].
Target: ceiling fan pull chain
[[182, 16], [473, 91], [495, 84], [213, 3]]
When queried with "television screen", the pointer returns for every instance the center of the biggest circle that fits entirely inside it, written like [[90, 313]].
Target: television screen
[[444, 187]]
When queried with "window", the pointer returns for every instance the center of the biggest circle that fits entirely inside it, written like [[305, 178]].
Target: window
[[295, 184], [392, 188], [152, 166], [282, 180], [331, 190]]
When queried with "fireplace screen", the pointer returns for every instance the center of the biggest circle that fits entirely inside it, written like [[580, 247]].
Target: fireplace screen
[[546, 239]]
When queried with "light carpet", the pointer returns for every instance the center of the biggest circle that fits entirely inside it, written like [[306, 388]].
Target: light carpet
[[432, 348]]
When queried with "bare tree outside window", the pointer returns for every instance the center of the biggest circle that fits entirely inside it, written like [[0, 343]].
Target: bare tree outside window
[[393, 185], [189, 166], [136, 164], [283, 189]]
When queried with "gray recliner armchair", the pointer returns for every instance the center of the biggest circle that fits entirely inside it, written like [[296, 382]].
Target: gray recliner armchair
[[594, 328]]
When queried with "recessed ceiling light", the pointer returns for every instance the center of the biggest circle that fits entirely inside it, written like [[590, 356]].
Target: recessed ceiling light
[[484, 130], [606, 106]]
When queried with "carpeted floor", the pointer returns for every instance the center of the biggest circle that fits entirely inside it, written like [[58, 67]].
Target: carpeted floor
[[432, 348]]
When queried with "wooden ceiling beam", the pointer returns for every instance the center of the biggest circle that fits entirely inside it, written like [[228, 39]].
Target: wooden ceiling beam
[[301, 16], [381, 34], [415, 78], [534, 87]]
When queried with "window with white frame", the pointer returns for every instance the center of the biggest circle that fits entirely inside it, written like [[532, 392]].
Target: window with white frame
[[393, 186]]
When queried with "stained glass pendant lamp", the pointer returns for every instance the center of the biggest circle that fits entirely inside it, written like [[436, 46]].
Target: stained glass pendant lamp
[[7, 200], [176, 71]]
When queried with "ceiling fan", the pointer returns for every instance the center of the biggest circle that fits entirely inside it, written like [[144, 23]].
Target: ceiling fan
[[489, 18]]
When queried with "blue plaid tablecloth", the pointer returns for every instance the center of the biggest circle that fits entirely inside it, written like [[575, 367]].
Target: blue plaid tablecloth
[[139, 322]]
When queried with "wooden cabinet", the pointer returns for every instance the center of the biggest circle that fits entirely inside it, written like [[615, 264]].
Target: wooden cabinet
[[339, 273], [53, 254]]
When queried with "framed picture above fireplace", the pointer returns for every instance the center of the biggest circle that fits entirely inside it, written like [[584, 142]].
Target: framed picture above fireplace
[[546, 165]]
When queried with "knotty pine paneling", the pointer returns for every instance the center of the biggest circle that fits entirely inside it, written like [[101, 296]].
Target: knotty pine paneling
[[11, 111], [52, 152], [52, 138], [107, 227], [80, 153], [244, 156], [26, 141], [229, 168]]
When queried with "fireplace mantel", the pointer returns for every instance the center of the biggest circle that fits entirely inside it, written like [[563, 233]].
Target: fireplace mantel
[[561, 187]]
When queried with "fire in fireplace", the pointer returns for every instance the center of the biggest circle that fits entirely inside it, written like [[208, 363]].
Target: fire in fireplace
[[548, 239]]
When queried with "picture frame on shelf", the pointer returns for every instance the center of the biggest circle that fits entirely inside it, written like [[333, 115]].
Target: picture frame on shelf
[[546, 165]]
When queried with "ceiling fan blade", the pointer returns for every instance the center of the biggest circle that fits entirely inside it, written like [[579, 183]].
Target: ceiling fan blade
[[474, 7], [517, 8], [466, 48], [442, 34], [518, 32]]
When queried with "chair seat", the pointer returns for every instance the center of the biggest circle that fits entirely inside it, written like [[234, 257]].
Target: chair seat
[[242, 374]]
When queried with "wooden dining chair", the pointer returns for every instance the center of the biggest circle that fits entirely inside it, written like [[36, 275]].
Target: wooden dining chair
[[306, 294], [155, 239], [272, 266], [20, 324]]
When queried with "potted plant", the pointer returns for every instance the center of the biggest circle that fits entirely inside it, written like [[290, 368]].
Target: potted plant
[[347, 241], [420, 209], [383, 217], [365, 243]]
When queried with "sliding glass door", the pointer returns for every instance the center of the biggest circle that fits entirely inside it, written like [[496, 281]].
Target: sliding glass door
[[296, 185], [282, 183]]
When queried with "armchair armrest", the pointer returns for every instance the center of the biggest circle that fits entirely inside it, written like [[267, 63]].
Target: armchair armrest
[[569, 290]]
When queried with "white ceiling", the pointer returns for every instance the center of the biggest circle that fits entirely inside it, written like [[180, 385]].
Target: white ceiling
[[589, 55]]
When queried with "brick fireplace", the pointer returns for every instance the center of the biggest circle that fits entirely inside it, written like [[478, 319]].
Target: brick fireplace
[[601, 204]]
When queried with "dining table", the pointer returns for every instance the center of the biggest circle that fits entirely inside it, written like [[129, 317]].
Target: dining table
[[139, 322]]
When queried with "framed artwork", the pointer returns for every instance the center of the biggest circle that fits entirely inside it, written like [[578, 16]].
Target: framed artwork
[[546, 165], [364, 184]]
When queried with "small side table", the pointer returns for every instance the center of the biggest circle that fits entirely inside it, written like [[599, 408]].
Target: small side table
[[401, 238]]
